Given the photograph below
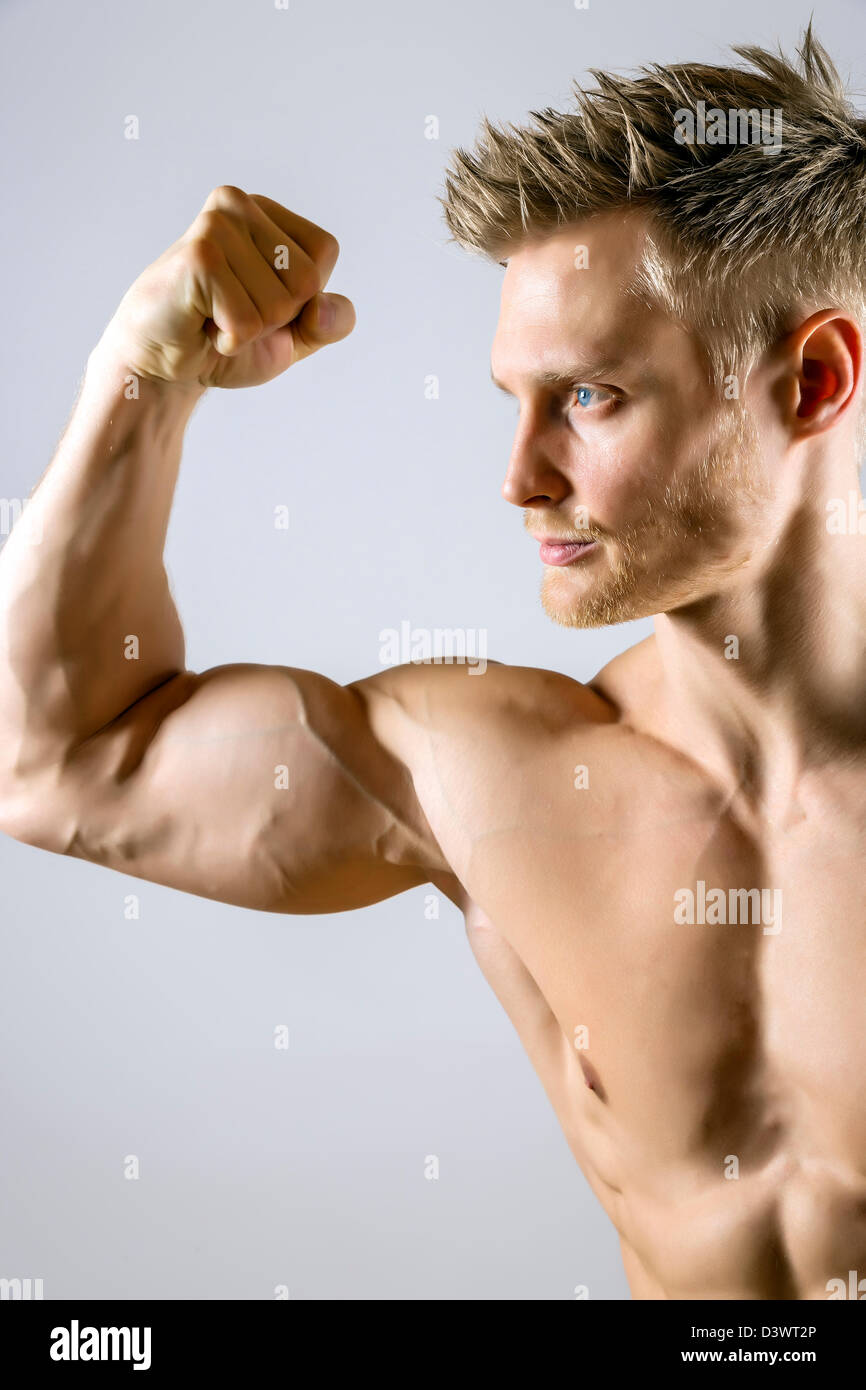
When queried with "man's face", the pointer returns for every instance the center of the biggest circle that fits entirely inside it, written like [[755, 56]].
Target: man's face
[[620, 438]]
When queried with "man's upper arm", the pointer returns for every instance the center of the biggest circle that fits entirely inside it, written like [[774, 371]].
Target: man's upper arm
[[268, 787]]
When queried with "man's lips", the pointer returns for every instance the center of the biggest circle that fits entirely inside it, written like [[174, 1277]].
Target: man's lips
[[559, 552]]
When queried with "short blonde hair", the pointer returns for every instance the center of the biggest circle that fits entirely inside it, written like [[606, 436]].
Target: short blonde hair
[[742, 237]]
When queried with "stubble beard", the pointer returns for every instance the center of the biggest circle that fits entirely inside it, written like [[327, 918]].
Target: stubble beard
[[681, 547]]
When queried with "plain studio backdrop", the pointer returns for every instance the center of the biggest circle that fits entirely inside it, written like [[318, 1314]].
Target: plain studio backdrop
[[154, 1037]]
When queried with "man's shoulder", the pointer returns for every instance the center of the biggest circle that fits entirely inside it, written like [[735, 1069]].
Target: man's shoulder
[[442, 696]]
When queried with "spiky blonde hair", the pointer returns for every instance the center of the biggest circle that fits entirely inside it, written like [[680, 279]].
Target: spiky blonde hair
[[741, 240]]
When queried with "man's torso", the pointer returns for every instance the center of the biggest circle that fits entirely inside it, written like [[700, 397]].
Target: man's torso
[[704, 1051]]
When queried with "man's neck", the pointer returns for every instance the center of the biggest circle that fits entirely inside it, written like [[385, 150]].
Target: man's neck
[[766, 683]]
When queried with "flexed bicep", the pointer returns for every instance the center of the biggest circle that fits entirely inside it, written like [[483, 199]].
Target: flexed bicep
[[255, 785]]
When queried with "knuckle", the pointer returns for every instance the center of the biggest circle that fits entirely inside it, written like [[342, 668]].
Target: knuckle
[[279, 309], [226, 196], [211, 219], [202, 253], [307, 281], [246, 327], [329, 249], [209, 224]]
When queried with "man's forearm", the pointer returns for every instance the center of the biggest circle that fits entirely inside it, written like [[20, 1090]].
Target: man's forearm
[[87, 621]]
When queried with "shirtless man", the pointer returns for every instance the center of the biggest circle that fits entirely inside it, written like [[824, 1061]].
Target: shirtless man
[[660, 871]]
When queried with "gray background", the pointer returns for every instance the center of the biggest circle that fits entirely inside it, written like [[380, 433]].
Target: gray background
[[155, 1037]]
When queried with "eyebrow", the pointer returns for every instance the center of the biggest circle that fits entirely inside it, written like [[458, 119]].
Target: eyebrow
[[580, 371]]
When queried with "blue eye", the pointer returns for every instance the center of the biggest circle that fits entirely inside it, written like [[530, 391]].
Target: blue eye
[[598, 397]]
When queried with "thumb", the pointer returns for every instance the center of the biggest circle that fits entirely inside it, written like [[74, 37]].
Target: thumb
[[326, 318]]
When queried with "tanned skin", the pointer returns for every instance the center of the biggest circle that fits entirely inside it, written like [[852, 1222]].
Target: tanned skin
[[708, 1078]]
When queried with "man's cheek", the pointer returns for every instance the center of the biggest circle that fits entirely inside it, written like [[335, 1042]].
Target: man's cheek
[[618, 486]]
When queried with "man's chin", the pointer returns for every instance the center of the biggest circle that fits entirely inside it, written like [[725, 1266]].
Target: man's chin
[[623, 595], [586, 601]]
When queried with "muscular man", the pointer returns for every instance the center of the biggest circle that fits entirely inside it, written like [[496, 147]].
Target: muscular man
[[660, 871]]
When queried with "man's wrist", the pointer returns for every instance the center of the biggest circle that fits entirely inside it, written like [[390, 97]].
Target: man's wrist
[[107, 365]]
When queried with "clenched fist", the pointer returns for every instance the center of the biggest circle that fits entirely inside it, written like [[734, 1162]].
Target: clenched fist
[[235, 301]]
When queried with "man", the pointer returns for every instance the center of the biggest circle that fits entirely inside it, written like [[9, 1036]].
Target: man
[[660, 871]]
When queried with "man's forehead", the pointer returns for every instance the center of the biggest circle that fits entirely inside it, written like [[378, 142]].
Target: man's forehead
[[565, 297], [605, 248]]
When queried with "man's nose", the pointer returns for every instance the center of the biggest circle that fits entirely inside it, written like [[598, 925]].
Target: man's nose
[[532, 469]]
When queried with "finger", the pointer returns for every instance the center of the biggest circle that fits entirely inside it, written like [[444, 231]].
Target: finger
[[278, 298], [299, 241], [286, 258], [325, 319], [321, 247], [236, 320]]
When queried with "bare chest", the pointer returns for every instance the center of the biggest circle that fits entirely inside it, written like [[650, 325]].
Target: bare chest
[[694, 1002]]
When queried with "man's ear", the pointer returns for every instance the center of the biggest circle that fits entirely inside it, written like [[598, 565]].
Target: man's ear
[[825, 357]]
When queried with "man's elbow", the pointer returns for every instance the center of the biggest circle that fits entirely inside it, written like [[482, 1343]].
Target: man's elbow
[[31, 814]]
